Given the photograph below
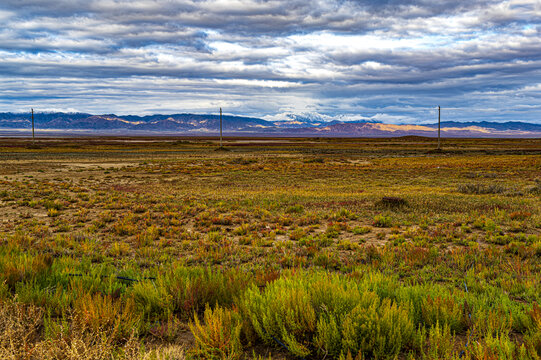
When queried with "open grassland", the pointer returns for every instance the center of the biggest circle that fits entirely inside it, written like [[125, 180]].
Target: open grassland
[[277, 249]]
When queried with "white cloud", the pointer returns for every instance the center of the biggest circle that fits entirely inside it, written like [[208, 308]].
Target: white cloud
[[360, 60]]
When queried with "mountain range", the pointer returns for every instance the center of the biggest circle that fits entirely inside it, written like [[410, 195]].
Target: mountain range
[[291, 125]]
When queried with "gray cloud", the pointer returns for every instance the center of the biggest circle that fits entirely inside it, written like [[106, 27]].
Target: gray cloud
[[263, 58]]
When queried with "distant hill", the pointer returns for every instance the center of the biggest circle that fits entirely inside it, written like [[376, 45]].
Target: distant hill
[[448, 129], [175, 122], [292, 125], [505, 126]]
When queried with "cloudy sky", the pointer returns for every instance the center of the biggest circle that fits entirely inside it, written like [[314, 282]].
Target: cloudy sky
[[388, 60]]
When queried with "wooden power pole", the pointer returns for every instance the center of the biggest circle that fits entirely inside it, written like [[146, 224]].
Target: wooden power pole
[[220, 127], [439, 127], [33, 138]]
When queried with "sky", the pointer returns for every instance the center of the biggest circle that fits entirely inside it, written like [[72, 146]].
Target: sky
[[391, 61]]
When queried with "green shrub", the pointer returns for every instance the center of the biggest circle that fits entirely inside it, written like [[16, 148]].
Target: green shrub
[[243, 229], [219, 336], [295, 209], [440, 344], [498, 347], [333, 231], [382, 221], [381, 329], [443, 310], [215, 236], [297, 234], [22, 267], [114, 318], [481, 189], [324, 314], [536, 188], [152, 299], [52, 212], [361, 230], [50, 204], [191, 288], [344, 214]]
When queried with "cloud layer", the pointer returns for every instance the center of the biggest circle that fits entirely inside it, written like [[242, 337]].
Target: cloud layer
[[391, 60]]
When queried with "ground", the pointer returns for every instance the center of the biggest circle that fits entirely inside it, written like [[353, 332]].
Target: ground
[[114, 247]]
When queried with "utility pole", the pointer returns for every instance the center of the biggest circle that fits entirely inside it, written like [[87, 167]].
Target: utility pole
[[33, 138], [220, 127], [439, 127]]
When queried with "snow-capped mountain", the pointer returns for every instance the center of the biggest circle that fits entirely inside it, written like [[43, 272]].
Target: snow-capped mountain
[[283, 125]]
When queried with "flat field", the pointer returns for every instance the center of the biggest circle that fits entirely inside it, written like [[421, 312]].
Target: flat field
[[164, 248]]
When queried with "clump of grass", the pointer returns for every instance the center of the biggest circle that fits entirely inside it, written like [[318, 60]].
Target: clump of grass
[[295, 209], [391, 202], [20, 268], [191, 288], [481, 189], [317, 160], [361, 230], [348, 245], [218, 337], [4, 194], [75, 341], [52, 212], [243, 229], [242, 161], [333, 231], [20, 327], [498, 347], [105, 314], [297, 234], [440, 342], [125, 226], [447, 311], [536, 188], [53, 204], [344, 214], [382, 221], [319, 314], [520, 215]]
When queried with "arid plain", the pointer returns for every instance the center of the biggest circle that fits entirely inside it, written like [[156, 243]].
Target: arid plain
[[164, 248]]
